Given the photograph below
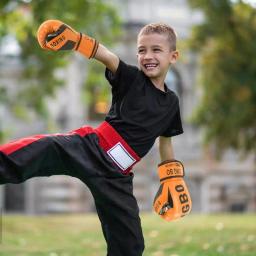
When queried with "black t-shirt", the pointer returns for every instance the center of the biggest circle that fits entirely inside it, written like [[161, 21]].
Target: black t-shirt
[[140, 112]]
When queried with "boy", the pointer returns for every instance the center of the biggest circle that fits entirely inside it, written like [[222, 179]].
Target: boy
[[143, 108]]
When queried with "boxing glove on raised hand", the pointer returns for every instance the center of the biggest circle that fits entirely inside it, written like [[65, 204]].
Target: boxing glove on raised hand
[[56, 35], [172, 200]]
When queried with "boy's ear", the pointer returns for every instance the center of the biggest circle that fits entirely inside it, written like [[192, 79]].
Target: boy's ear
[[174, 55]]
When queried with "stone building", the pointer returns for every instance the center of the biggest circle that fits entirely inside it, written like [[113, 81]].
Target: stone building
[[216, 186]]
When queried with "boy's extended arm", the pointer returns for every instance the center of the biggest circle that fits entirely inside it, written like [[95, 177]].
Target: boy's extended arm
[[56, 36]]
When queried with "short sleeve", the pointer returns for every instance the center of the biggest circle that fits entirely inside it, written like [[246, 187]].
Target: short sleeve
[[123, 78], [175, 127]]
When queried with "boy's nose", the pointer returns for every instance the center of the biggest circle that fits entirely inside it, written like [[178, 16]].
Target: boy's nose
[[148, 55]]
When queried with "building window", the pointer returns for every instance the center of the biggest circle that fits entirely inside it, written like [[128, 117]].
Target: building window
[[99, 106], [173, 82]]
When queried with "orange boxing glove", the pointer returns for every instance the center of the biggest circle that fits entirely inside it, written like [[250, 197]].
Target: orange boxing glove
[[172, 200], [55, 35]]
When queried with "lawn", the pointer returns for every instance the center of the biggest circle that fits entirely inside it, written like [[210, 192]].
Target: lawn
[[80, 235]]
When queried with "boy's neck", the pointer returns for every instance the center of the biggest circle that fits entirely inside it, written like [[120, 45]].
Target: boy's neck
[[158, 83]]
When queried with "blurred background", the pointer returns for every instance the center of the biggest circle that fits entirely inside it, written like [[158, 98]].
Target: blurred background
[[45, 92]]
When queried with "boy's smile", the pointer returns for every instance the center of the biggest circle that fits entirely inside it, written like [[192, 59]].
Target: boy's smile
[[155, 56]]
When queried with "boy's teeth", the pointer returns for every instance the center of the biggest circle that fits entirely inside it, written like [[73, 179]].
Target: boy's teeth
[[150, 65]]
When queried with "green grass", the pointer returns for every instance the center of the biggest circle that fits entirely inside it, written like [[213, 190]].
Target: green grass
[[75, 235]]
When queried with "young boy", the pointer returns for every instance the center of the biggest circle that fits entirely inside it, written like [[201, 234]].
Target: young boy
[[142, 109]]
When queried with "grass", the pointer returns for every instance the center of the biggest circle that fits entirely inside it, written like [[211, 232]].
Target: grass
[[80, 235]]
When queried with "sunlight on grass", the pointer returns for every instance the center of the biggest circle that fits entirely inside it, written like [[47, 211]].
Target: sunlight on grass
[[195, 235]]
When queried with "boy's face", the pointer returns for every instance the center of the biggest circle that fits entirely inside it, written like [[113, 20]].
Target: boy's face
[[155, 56]]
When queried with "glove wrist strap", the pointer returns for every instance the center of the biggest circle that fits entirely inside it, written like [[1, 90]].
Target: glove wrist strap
[[86, 45], [170, 169]]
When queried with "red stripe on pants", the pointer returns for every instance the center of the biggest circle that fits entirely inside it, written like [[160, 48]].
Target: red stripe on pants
[[21, 143]]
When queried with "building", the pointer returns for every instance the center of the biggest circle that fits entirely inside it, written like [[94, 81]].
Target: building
[[216, 186]]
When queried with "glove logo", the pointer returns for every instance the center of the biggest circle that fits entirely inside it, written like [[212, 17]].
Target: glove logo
[[58, 41], [183, 198], [173, 171]]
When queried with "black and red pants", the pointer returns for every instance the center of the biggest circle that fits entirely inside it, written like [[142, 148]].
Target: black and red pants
[[98, 157]]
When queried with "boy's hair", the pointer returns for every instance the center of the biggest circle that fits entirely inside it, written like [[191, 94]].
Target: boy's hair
[[162, 29]]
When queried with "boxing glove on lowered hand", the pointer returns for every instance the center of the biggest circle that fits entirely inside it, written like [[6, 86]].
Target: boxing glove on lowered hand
[[56, 35], [172, 200]]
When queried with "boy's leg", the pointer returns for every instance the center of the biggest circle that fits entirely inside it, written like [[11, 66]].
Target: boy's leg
[[119, 215], [45, 155]]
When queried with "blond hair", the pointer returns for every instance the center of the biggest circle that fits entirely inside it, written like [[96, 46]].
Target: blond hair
[[162, 29]]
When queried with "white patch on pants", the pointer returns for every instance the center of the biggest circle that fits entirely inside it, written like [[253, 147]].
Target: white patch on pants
[[121, 156]]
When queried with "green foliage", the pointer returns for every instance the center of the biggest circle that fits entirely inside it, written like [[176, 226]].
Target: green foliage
[[22, 19], [96, 85], [226, 44], [195, 235]]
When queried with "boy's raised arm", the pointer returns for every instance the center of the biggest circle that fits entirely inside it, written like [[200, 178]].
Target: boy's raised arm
[[108, 58], [56, 36]]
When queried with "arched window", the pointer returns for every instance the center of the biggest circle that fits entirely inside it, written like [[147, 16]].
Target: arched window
[[173, 82]]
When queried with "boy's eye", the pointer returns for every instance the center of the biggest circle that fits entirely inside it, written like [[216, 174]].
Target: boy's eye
[[156, 50], [141, 51]]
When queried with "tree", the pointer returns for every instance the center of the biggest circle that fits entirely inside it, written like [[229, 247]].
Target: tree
[[21, 18], [225, 41]]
